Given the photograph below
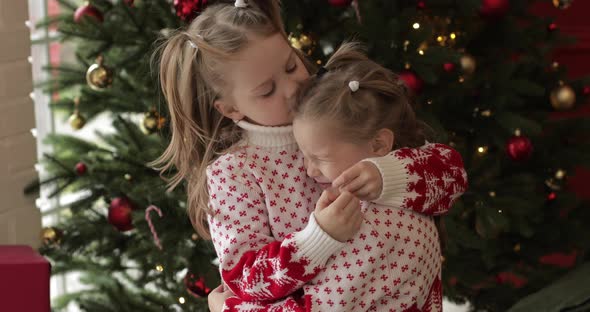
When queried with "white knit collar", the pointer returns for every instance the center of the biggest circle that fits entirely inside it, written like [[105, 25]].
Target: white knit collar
[[266, 136]]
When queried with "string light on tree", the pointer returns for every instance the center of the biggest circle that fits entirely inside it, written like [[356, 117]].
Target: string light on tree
[[303, 42], [482, 150], [99, 76]]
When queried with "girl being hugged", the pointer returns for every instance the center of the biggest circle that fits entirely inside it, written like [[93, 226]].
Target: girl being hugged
[[230, 80]]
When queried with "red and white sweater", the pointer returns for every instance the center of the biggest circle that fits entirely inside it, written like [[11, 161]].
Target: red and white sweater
[[261, 201]]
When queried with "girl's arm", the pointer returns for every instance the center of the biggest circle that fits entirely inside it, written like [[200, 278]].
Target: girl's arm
[[252, 263], [427, 179]]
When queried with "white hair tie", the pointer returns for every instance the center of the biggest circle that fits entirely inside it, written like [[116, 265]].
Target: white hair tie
[[241, 4], [353, 85], [193, 45]]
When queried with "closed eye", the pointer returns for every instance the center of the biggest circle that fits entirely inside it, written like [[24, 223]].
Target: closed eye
[[271, 91], [292, 68]]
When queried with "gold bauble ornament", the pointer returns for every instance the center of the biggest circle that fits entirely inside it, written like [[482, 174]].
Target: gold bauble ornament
[[562, 4], [77, 121], [99, 76], [153, 122], [468, 64], [563, 97], [303, 42], [51, 236]]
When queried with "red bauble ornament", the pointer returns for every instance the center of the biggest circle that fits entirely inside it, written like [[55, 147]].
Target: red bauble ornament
[[187, 10], [552, 27], [552, 196], [449, 67], [120, 214], [196, 286], [81, 168], [412, 81], [340, 3], [586, 90], [421, 5], [519, 148], [560, 259], [494, 8], [87, 10], [453, 281], [511, 278]]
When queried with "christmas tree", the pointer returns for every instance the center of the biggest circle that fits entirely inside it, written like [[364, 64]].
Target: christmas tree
[[483, 79]]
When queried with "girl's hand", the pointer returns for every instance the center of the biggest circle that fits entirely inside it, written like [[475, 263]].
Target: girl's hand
[[363, 180], [217, 297], [340, 217]]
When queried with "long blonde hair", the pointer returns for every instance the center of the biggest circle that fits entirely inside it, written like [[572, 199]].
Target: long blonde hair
[[382, 100], [191, 80]]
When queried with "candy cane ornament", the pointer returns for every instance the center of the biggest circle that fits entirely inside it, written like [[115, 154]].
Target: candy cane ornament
[[152, 228]]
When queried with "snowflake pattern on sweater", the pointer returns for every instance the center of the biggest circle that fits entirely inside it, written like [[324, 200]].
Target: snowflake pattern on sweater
[[392, 264], [261, 200]]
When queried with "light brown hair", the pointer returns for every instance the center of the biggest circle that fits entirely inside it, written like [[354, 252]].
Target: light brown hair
[[191, 80], [381, 101]]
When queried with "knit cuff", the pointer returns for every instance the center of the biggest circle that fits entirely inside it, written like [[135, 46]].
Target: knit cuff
[[315, 244], [395, 179]]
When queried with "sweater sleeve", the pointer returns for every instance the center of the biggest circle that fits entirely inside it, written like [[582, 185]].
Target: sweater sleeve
[[253, 264], [293, 303], [427, 179]]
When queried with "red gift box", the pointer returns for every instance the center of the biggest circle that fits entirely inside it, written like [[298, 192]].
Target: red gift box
[[24, 280]]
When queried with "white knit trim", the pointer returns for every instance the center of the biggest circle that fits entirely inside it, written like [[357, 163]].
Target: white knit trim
[[315, 244], [394, 173], [266, 136]]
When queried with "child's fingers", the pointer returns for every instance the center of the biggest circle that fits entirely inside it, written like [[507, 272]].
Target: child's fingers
[[341, 202], [352, 208], [367, 191], [346, 176], [323, 201], [354, 185]]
